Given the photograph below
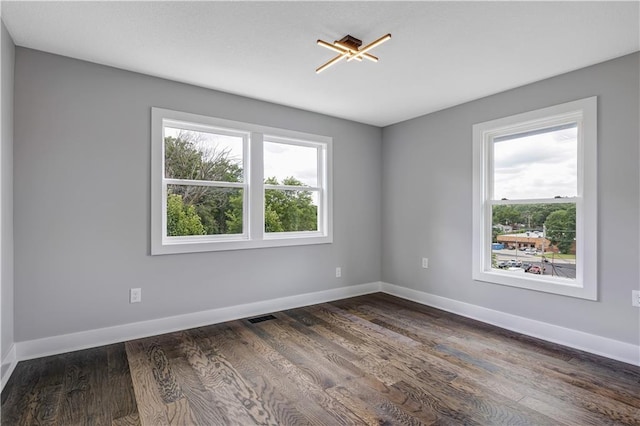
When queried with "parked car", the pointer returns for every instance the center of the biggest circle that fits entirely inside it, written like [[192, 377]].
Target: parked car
[[526, 266], [535, 269], [502, 264], [514, 263]]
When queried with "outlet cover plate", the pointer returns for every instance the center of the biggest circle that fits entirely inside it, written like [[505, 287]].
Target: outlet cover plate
[[135, 295]]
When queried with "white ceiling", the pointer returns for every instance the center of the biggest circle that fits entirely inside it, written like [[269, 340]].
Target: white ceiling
[[441, 53]]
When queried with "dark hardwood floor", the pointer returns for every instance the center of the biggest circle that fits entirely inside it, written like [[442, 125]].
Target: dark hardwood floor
[[374, 359]]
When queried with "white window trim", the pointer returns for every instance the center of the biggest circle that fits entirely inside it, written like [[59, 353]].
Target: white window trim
[[253, 185], [322, 194], [200, 127], [585, 285]]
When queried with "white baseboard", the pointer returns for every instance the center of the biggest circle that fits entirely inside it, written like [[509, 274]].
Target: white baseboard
[[592, 343], [87, 339], [10, 360], [104, 336]]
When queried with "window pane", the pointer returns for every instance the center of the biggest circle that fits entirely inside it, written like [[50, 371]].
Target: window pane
[[535, 238], [202, 156], [203, 210], [291, 164], [289, 211], [538, 164]]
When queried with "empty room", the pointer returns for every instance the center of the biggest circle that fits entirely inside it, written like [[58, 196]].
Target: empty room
[[328, 213]]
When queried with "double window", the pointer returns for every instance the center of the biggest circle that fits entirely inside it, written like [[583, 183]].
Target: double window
[[535, 200], [224, 185]]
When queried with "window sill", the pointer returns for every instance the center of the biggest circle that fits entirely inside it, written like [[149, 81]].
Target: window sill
[[560, 286], [178, 247]]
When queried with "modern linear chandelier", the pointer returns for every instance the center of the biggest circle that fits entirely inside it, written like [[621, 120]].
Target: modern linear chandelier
[[349, 48]]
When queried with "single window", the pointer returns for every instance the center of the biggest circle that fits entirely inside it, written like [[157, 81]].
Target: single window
[[203, 181], [224, 185], [293, 196], [535, 200]]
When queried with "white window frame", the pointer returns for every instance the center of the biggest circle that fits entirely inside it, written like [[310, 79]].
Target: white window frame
[[584, 113], [321, 152], [253, 235], [218, 130]]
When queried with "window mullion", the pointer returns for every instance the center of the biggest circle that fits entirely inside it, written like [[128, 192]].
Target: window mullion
[[213, 183], [293, 188], [534, 201], [255, 209]]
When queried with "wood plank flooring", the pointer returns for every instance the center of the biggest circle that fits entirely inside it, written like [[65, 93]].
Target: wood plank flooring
[[375, 360]]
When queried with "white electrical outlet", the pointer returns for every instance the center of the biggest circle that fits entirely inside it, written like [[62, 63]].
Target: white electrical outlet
[[338, 272], [635, 298], [135, 295], [425, 262]]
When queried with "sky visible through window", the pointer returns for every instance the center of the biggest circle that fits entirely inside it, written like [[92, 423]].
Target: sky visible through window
[[284, 160], [281, 160], [542, 165]]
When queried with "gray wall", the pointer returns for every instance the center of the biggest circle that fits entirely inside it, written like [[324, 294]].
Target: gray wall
[[427, 190], [82, 203], [6, 188]]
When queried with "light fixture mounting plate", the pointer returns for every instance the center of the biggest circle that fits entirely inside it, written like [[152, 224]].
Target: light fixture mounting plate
[[351, 42]]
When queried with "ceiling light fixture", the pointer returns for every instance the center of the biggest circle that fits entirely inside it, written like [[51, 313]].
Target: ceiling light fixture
[[349, 48]]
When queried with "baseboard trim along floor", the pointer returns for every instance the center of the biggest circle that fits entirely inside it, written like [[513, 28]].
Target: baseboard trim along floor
[[9, 362], [598, 345], [371, 359], [614, 349], [104, 336]]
